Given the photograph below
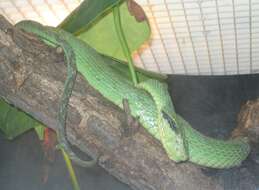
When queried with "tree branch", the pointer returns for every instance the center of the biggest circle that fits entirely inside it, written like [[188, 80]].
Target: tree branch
[[32, 79]]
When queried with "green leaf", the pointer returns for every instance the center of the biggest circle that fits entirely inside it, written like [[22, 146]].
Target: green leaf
[[39, 129], [86, 14], [14, 122], [96, 27]]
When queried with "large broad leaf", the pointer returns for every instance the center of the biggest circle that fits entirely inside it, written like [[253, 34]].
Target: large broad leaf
[[93, 22], [14, 122], [96, 27]]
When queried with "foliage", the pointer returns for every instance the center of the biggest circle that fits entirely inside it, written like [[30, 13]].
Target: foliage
[[97, 28], [14, 122]]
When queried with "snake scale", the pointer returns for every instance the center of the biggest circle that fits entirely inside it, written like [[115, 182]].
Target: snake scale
[[149, 101]]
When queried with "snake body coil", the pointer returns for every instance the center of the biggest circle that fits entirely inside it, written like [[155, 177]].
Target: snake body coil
[[150, 103]]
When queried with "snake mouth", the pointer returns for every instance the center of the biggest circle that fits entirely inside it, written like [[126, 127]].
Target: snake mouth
[[179, 157]]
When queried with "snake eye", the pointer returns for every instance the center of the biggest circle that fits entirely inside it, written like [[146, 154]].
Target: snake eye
[[170, 121]]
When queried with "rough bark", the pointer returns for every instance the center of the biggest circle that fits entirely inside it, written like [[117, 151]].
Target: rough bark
[[247, 125], [32, 78], [248, 121]]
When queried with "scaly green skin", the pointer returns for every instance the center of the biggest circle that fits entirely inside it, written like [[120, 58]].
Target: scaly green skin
[[145, 104]]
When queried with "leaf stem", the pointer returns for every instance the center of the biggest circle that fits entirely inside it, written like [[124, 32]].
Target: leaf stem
[[123, 42], [70, 170]]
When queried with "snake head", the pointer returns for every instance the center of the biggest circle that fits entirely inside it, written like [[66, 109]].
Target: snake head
[[172, 138]]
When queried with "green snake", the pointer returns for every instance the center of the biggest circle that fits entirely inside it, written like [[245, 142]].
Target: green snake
[[149, 101]]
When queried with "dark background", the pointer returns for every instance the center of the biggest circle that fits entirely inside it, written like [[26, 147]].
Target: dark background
[[210, 104]]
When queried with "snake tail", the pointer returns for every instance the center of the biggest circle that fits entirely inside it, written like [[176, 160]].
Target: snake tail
[[62, 113], [63, 105]]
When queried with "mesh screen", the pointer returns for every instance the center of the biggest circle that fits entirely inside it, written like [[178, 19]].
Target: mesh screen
[[192, 37]]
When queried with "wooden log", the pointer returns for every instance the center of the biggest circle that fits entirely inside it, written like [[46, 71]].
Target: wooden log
[[247, 126], [32, 78]]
